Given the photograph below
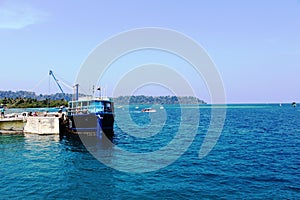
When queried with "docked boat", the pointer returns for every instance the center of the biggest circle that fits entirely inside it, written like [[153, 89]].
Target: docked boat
[[91, 116], [148, 110]]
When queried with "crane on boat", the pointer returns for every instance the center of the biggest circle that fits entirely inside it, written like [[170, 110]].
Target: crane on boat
[[51, 74], [57, 82]]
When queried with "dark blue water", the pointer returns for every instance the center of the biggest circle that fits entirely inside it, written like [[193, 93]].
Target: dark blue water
[[257, 156]]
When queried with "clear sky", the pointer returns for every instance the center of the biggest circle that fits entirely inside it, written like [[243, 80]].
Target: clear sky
[[255, 44]]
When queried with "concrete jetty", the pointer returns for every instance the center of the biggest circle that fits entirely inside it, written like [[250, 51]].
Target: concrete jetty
[[42, 125], [12, 125]]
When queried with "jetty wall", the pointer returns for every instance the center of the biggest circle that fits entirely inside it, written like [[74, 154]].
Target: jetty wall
[[42, 125], [12, 124]]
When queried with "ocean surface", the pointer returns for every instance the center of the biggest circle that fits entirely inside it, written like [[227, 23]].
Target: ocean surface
[[257, 156]]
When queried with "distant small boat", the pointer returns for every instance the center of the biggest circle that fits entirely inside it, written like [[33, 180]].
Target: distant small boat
[[294, 104], [161, 107], [149, 110]]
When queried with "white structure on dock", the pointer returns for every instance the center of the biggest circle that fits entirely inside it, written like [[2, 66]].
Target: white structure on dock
[[41, 125]]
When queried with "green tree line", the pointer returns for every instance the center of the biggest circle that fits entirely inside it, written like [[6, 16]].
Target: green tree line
[[31, 103], [33, 95]]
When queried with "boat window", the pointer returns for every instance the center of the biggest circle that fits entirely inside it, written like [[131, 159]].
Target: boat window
[[96, 106], [84, 103], [107, 107]]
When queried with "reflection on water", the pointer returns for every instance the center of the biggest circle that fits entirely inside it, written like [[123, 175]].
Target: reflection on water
[[7, 140]]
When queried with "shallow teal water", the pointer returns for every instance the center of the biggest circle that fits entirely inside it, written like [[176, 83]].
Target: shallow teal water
[[257, 156]]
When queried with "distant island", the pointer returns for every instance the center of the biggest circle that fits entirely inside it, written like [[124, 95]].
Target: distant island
[[25, 99], [33, 95], [141, 99]]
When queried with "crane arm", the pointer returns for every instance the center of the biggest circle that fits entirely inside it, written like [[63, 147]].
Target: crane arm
[[51, 74]]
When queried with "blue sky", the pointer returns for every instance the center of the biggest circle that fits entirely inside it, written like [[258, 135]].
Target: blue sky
[[254, 44]]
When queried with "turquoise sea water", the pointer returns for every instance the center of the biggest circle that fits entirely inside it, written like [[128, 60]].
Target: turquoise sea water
[[256, 157]]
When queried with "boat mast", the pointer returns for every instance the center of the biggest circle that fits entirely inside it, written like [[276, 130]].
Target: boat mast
[[76, 92]]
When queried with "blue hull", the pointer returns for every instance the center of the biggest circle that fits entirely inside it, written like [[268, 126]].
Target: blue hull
[[98, 123]]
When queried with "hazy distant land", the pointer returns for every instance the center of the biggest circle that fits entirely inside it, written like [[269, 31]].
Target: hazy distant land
[[26, 99], [141, 99]]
